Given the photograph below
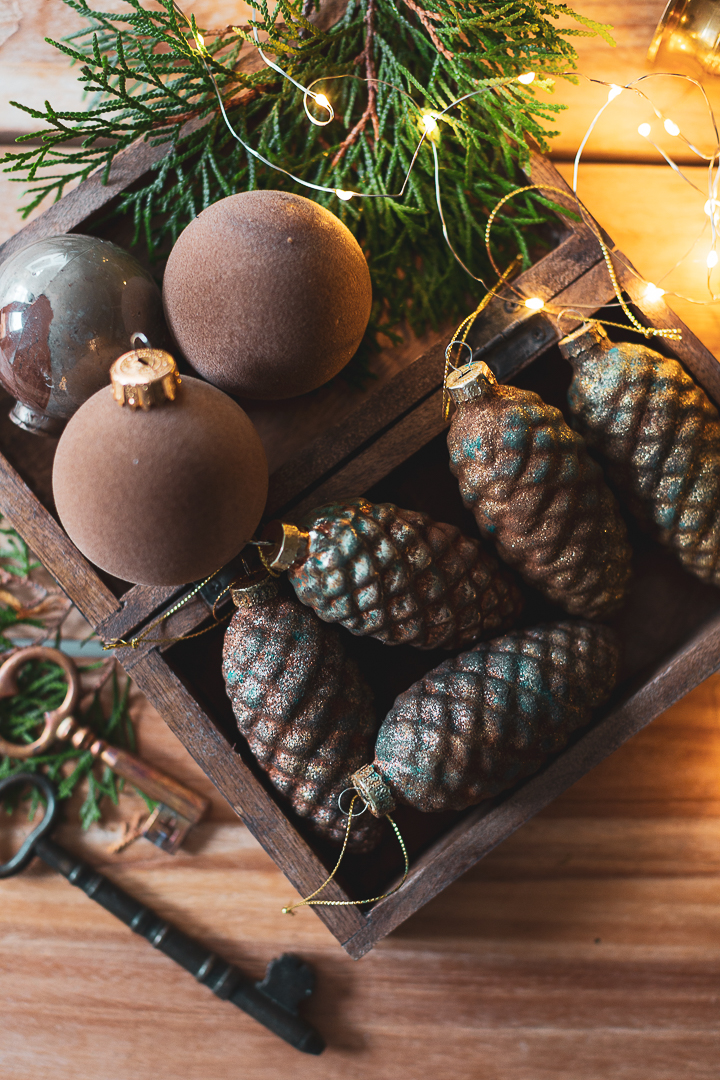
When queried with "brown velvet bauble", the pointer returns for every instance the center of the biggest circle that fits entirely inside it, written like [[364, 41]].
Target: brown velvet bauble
[[268, 294], [164, 496]]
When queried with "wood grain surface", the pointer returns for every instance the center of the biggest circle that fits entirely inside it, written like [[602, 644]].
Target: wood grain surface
[[586, 947]]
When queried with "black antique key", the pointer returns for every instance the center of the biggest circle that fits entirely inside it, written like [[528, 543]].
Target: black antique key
[[273, 1001]]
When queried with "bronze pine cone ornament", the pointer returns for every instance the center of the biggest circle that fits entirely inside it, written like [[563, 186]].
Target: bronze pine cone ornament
[[659, 435], [397, 575], [536, 492], [302, 705], [478, 724]]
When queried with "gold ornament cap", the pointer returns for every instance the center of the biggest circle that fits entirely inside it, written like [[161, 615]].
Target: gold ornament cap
[[371, 787], [470, 382], [144, 377], [289, 545], [582, 340], [255, 591]]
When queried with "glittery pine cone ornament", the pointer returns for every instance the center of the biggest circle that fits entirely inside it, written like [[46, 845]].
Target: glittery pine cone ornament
[[480, 723], [395, 575], [660, 438], [535, 491], [302, 705]]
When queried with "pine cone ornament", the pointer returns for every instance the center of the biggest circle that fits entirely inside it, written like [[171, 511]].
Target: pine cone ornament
[[301, 704], [660, 437], [395, 575], [537, 493], [478, 724]]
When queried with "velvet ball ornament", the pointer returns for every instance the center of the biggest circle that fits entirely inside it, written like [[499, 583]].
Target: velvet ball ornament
[[165, 493], [268, 294]]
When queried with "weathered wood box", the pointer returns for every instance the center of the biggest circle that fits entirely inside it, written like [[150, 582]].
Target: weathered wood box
[[389, 446]]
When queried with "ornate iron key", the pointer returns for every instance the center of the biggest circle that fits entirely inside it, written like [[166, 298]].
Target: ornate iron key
[[273, 1001]]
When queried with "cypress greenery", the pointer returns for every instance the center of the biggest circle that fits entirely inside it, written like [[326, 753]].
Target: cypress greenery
[[42, 687], [381, 64]]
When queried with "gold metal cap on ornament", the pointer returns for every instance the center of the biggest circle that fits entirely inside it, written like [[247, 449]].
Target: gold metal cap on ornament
[[470, 382], [373, 790], [288, 545], [144, 377], [254, 591], [586, 337], [687, 37]]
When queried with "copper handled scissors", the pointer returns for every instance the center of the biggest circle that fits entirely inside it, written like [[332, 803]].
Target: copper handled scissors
[[178, 807]]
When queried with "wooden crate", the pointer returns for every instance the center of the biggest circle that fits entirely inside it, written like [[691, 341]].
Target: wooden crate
[[391, 447]]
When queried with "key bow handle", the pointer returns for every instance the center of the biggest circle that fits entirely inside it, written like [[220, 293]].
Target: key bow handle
[[53, 718], [26, 852]]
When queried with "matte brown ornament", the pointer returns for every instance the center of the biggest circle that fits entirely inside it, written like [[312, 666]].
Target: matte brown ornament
[[68, 307], [480, 723], [659, 435], [302, 705], [268, 294], [159, 481], [537, 493], [395, 575]]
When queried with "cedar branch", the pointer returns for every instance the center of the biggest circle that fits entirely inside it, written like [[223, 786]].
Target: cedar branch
[[371, 107]]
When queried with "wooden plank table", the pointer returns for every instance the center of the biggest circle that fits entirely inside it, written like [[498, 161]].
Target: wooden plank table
[[585, 947]]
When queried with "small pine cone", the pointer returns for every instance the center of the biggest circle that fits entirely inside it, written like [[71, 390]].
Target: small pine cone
[[478, 724], [537, 493], [302, 705], [660, 437], [399, 576]]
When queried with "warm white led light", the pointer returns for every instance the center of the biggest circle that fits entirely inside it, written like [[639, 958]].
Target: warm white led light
[[653, 292], [671, 127], [199, 38], [644, 130], [712, 259], [535, 303], [614, 91], [429, 123], [346, 196], [527, 78], [322, 101]]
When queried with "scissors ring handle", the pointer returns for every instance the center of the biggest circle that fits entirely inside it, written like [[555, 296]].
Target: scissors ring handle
[[27, 852], [9, 687]]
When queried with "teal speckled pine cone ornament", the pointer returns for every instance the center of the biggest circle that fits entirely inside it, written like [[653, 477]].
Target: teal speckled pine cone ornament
[[302, 705], [658, 434], [395, 575], [536, 492], [480, 723]]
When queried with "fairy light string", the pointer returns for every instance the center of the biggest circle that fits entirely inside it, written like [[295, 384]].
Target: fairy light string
[[428, 125]]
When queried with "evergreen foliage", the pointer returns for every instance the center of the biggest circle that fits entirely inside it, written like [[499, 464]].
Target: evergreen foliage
[[42, 687], [149, 78]]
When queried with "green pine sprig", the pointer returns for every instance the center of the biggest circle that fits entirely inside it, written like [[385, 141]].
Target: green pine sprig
[[42, 687], [148, 79]]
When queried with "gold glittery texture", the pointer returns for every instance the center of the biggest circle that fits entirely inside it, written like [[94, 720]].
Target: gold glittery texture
[[399, 576], [478, 724], [537, 493], [304, 709], [659, 436]]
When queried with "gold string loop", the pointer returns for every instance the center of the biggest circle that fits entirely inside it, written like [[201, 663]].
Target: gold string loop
[[671, 333], [310, 901], [466, 325], [136, 642]]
